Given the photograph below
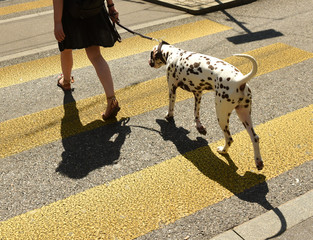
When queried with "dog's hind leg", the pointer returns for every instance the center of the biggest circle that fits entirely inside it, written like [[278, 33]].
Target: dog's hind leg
[[201, 129], [244, 114], [223, 112]]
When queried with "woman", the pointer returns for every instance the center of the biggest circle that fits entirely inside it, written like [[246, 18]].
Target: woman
[[89, 33]]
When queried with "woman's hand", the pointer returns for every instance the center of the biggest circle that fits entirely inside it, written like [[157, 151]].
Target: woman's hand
[[57, 15], [58, 32], [113, 14]]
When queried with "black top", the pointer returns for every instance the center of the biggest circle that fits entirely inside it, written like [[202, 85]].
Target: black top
[[82, 33]]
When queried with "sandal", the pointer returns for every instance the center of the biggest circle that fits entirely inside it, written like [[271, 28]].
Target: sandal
[[65, 86], [114, 108]]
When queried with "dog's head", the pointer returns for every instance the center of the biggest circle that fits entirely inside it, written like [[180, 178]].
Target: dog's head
[[157, 59]]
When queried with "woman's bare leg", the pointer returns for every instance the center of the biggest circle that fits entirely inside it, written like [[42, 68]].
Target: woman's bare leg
[[104, 74], [102, 69], [66, 65]]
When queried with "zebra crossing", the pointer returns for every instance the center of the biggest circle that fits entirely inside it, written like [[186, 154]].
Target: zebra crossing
[[66, 174]]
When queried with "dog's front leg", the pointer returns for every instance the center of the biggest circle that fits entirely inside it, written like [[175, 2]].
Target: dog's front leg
[[172, 98], [201, 129]]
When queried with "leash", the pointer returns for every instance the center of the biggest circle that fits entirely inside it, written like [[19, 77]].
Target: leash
[[136, 33], [161, 42]]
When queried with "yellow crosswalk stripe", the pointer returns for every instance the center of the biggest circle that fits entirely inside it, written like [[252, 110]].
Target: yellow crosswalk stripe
[[21, 7], [44, 67], [275, 56], [144, 201], [44, 127], [156, 196]]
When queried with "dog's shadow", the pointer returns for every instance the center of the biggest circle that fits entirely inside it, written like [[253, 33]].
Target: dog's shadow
[[250, 187], [88, 147], [211, 165]]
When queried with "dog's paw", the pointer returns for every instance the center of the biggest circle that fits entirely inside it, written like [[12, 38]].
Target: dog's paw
[[202, 130], [259, 164], [221, 150], [169, 118]]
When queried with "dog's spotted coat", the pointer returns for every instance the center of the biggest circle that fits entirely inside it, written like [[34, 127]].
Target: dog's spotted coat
[[195, 73]]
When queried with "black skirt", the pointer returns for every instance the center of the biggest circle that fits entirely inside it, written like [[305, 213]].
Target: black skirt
[[82, 33]]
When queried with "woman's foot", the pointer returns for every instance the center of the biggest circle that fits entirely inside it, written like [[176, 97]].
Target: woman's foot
[[112, 108], [65, 85]]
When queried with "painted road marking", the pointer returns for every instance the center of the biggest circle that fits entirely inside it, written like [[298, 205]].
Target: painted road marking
[[275, 56], [154, 92], [44, 127], [44, 67], [55, 47], [21, 7], [26, 16], [141, 202]]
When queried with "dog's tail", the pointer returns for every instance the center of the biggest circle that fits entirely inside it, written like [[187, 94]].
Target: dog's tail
[[247, 77]]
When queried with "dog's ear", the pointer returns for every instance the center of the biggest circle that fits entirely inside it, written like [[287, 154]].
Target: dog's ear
[[158, 54]]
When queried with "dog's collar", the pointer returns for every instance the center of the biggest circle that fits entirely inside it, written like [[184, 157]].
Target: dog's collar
[[159, 52]]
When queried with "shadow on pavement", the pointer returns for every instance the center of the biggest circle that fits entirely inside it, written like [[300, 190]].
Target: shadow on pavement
[[249, 36], [251, 187], [88, 147], [254, 36]]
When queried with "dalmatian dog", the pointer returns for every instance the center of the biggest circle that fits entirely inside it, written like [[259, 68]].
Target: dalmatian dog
[[195, 73]]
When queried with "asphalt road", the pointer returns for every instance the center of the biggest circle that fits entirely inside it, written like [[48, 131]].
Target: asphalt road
[[90, 155]]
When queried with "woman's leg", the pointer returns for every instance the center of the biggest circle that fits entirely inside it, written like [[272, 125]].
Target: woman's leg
[[66, 65], [105, 77], [102, 69]]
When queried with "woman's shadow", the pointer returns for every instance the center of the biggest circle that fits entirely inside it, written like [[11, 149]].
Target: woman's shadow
[[88, 147], [250, 187]]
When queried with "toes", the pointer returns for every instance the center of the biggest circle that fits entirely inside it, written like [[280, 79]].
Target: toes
[[202, 130], [260, 165], [221, 150], [169, 118]]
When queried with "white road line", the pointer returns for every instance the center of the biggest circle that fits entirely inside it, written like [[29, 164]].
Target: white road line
[[29, 52], [26, 16], [55, 46]]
